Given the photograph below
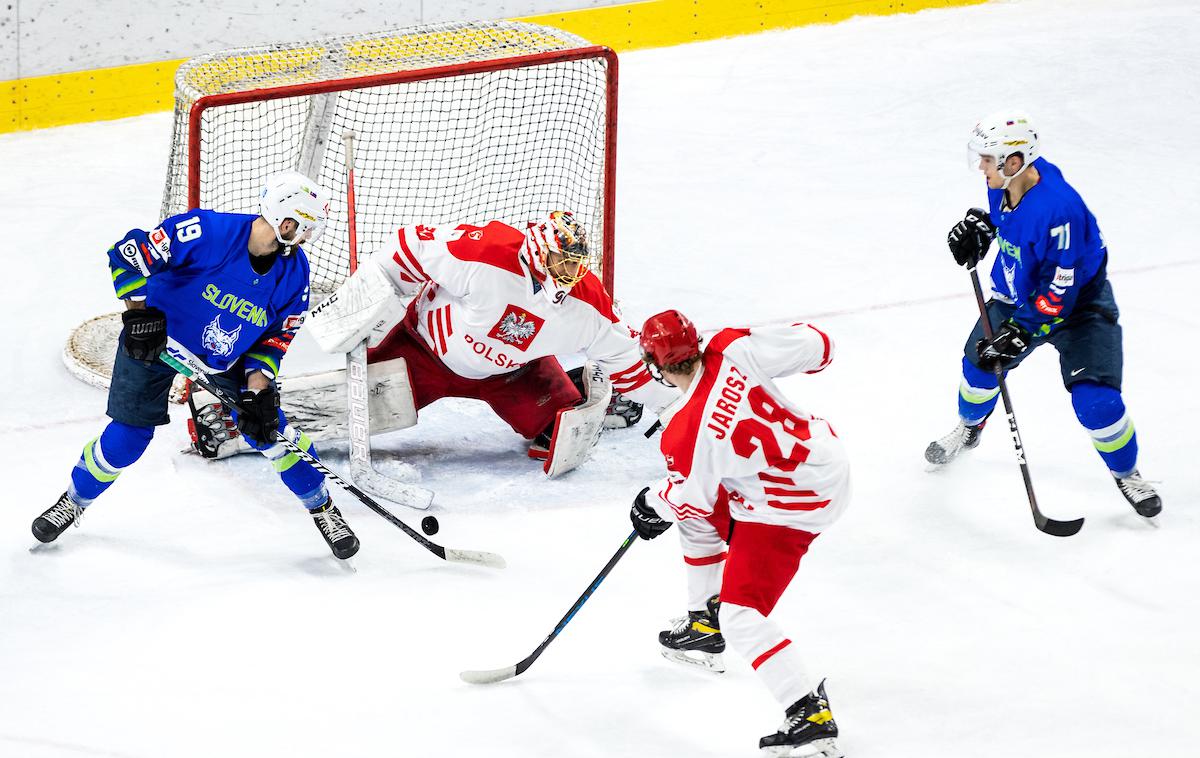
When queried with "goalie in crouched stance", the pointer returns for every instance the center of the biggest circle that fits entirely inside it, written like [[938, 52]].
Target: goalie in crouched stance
[[231, 289], [481, 312], [751, 481]]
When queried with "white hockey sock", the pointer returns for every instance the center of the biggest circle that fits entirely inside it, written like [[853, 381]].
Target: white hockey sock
[[704, 554], [773, 656]]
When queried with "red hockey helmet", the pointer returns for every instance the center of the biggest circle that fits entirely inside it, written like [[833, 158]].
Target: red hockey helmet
[[669, 338]]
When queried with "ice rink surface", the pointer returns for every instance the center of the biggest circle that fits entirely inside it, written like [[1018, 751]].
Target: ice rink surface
[[804, 174]]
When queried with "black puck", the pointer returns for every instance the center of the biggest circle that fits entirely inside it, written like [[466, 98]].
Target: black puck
[[429, 525]]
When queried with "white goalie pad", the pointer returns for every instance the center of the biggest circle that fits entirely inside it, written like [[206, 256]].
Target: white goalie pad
[[317, 402], [577, 429], [365, 307]]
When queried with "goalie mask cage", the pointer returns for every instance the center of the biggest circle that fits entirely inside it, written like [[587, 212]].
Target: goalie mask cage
[[462, 122], [455, 122]]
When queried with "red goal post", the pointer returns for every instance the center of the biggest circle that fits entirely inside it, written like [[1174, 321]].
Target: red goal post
[[454, 122], [457, 122]]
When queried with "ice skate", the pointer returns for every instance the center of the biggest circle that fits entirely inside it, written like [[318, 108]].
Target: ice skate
[[940, 452], [1140, 494], [696, 639], [808, 729], [48, 526], [335, 530]]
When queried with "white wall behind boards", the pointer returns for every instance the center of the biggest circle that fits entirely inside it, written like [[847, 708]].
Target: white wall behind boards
[[39, 37]]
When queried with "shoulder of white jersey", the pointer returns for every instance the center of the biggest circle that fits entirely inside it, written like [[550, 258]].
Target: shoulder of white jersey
[[590, 290]]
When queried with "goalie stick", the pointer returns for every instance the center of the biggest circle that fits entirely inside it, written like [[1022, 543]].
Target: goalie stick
[[508, 672], [186, 364], [362, 471], [1041, 521]]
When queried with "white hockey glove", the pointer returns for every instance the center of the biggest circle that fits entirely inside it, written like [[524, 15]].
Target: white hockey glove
[[366, 306]]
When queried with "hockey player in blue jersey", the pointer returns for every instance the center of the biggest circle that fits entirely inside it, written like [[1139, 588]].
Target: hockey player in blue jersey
[[1050, 285], [231, 288]]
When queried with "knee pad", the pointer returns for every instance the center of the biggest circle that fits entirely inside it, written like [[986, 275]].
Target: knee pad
[[122, 444], [977, 377], [1096, 405]]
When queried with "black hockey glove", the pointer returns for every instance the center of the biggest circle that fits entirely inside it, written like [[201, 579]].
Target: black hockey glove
[[145, 333], [1008, 343], [970, 238], [259, 419], [646, 522]]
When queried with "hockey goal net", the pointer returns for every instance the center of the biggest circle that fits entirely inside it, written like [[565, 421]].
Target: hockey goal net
[[454, 122]]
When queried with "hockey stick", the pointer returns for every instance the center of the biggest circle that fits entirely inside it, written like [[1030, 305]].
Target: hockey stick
[[1047, 525], [362, 472], [183, 362], [508, 672]]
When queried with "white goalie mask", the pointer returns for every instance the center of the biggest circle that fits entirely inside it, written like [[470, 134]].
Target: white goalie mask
[[1000, 135], [293, 195]]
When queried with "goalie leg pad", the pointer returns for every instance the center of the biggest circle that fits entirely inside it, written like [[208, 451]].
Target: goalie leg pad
[[576, 430]]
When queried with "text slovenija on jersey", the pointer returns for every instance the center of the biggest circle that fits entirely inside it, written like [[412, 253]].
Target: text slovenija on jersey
[[195, 268], [734, 438], [483, 313]]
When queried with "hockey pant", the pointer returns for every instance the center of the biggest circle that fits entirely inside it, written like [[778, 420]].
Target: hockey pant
[[750, 576], [1090, 361], [528, 399]]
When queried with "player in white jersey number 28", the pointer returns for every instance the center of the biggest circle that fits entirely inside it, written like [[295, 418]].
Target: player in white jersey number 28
[[482, 312], [751, 481]]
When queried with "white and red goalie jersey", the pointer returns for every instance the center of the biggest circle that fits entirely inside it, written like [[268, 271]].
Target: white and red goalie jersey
[[735, 439], [483, 311]]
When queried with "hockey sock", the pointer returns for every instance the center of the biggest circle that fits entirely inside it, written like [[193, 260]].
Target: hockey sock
[[1102, 412], [976, 393], [105, 457], [704, 556], [772, 655], [305, 482]]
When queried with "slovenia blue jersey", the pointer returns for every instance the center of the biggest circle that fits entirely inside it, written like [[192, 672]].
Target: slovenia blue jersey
[[1052, 257], [195, 268]]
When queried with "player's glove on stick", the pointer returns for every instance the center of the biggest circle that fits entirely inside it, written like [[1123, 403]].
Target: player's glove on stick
[[970, 238], [1008, 343], [260, 417], [145, 333], [646, 522]]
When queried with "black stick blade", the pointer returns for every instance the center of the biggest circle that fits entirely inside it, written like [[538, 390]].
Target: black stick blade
[[1060, 528]]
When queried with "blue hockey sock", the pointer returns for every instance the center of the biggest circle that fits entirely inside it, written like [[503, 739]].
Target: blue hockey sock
[[1102, 412], [105, 457], [302, 479], [976, 393]]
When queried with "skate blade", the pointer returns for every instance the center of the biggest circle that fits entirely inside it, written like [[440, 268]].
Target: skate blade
[[713, 662], [826, 748], [347, 564]]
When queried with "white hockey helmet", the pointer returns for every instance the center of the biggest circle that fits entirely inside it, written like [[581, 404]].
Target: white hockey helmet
[[293, 195], [1000, 135]]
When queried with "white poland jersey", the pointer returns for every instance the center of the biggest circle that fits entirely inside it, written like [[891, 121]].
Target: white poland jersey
[[734, 437], [483, 312]]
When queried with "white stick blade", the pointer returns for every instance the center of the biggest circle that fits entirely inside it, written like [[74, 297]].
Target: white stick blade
[[488, 677], [401, 493], [476, 557]]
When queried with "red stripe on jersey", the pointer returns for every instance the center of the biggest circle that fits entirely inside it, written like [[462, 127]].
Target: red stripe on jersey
[[416, 266], [432, 338], [705, 561], [146, 254], [678, 443], [405, 272], [632, 384], [725, 338], [776, 479], [618, 376], [441, 332], [785, 492], [810, 506], [760, 660], [825, 356], [449, 327]]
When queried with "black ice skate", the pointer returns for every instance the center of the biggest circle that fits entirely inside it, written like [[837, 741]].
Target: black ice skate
[[48, 526], [940, 452], [1140, 494], [808, 729], [335, 530], [696, 639]]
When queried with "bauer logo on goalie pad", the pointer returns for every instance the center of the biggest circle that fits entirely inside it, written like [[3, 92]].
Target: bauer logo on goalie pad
[[130, 252], [517, 327]]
